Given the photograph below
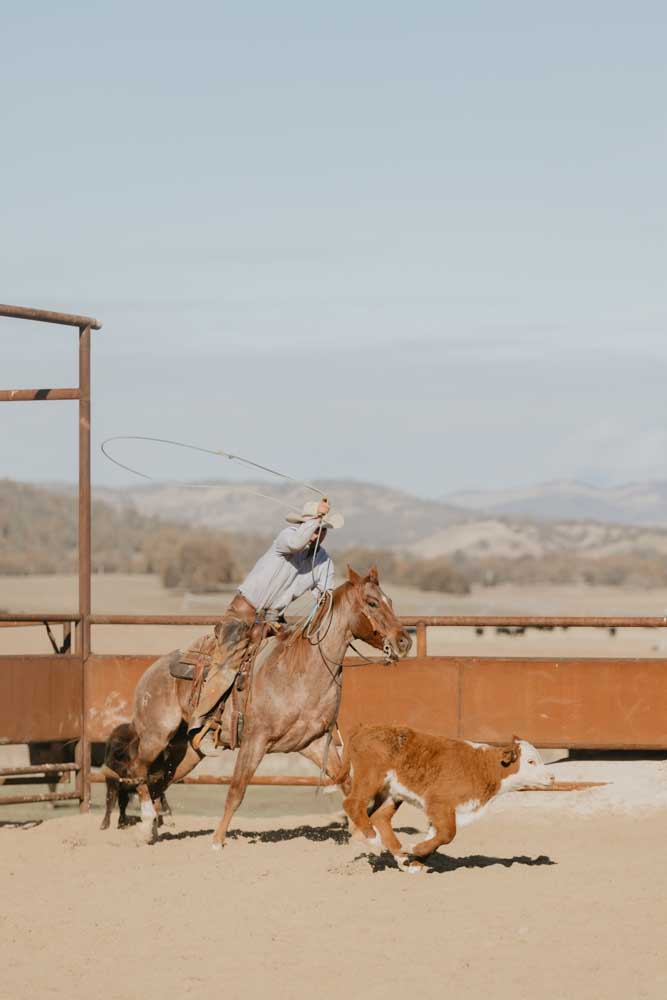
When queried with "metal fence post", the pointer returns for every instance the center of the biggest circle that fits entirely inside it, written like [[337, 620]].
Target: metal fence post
[[83, 637]]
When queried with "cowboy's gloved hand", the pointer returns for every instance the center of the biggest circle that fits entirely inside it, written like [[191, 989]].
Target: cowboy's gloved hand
[[323, 507]]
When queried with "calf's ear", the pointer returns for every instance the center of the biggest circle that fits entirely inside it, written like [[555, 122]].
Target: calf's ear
[[509, 755]]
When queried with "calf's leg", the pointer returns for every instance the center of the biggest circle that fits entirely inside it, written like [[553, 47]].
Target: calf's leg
[[381, 821], [365, 786], [443, 831], [112, 796]]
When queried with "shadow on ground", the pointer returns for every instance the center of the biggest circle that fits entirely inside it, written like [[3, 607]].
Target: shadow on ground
[[17, 824], [441, 864], [334, 832]]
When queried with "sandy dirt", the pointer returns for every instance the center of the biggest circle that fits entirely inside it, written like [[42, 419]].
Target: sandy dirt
[[551, 895]]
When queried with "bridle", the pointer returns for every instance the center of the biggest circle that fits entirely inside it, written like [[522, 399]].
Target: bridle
[[316, 638]]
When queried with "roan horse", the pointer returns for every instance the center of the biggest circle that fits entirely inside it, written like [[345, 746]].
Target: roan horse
[[292, 703]]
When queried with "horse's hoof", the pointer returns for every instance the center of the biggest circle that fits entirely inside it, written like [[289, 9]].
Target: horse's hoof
[[168, 821], [148, 831], [215, 846]]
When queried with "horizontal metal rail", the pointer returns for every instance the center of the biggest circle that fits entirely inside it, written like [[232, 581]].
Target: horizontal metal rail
[[310, 781], [156, 619], [430, 621], [6, 772], [48, 316], [433, 621], [15, 624], [534, 621], [22, 618], [278, 780], [17, 800], [32, 395]]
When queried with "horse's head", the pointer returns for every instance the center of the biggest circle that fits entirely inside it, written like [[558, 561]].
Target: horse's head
[[373, 619]]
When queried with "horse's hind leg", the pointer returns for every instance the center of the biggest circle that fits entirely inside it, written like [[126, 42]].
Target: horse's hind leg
[[252, 750], [123, 799], [112, 797], [148, 751]]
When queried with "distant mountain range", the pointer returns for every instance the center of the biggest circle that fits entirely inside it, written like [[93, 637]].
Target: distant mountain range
[[633, 503], [506, 525], [374, 515]]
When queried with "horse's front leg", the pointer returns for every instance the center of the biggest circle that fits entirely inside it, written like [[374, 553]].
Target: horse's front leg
[[251, 752]]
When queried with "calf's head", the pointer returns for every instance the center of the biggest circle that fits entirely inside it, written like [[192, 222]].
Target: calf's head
[[522, 767]]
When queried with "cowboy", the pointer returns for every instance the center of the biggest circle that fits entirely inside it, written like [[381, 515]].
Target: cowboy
[[296, 562]]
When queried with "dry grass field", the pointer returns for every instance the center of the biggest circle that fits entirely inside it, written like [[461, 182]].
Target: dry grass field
[[137, 594]]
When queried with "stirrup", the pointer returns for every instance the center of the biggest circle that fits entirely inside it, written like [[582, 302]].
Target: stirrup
[[198, 737], [210, 746]]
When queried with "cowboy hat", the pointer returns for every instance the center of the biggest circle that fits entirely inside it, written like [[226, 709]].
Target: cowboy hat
[[309, 511]]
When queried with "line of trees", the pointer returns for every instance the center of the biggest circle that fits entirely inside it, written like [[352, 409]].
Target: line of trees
[[38, 534]]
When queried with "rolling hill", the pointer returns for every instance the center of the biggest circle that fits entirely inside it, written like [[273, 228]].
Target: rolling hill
[[633, 503]]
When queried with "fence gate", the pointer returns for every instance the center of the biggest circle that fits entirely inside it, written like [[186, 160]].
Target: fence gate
[[42, 698]]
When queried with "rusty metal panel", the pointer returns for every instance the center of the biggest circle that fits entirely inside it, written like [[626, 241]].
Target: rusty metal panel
[[40, 698], [110, 684], [422, 693], [571, 703]]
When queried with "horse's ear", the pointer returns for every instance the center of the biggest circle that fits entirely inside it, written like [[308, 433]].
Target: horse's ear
[[352, 576], [373, 574]]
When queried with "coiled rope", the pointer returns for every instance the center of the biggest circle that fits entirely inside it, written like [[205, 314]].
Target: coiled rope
[[206, 451]]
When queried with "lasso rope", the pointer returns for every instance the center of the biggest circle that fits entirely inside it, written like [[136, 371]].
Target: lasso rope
[[206, 451]]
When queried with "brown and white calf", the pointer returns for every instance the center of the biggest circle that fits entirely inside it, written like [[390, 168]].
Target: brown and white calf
[[453, 781]]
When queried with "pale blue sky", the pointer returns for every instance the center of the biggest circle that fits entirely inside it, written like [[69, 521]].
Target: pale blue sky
[[417, 244]]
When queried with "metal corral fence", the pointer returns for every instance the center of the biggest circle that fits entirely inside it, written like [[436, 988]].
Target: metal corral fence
[[76, 696], [555, 702]]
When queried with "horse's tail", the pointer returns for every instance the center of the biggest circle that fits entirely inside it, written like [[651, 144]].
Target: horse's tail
[[120, 752]]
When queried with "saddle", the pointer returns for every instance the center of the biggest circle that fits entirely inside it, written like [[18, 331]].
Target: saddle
[[196, 662]]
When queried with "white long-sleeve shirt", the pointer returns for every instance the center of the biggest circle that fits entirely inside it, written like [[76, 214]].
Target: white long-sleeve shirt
[[286, 570]]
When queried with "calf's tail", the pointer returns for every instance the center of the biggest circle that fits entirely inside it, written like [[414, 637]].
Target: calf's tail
[[343, 777]]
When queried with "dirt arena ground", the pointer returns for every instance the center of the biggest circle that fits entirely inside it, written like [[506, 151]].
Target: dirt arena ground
[[551, 895]]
